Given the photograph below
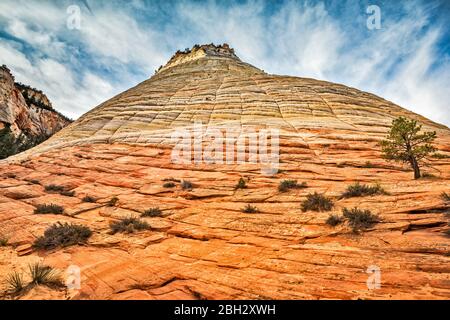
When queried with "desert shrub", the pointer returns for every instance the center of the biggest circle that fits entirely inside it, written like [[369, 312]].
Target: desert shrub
[[3, 242], [152, 212], [44, 275], [317, 202], [63, 235], [286, 185], [361, 190], [368, 165], [89, 199], [54, 188], [128, 225], [359, 219], [250, 209], [445, 197], [49, 209], [34, 181], [187, 185], [169, 185], [241, 184], [334, 220], [68, 193], [113, 202], [440, 156], [15, 282]]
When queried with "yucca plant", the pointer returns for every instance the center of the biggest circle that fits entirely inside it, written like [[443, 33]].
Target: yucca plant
[[15, 282], [241, 184], [44, 275], [250, 209]]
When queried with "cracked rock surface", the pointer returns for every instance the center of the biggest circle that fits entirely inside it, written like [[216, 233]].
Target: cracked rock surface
[[203, 246]]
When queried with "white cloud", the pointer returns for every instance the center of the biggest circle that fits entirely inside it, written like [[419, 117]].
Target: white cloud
[[116, 47]]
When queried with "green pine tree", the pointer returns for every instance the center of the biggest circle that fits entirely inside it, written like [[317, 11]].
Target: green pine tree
[[406, 143]]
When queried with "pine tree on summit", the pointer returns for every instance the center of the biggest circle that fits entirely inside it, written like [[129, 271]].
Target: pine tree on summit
[[405, 143]]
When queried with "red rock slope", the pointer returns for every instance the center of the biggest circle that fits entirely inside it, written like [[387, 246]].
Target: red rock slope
[[203, 245]]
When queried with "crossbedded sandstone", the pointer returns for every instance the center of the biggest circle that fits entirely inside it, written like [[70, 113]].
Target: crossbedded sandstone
[[203, 246]]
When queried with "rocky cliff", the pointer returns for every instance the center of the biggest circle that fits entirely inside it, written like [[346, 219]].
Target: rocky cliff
[[27, 110], [202, 244]]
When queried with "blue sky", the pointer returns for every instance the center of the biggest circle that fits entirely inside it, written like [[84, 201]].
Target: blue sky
[[121, 43]]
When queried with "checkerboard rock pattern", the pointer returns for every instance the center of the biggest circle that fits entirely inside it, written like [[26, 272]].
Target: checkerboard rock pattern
[[203, 246]]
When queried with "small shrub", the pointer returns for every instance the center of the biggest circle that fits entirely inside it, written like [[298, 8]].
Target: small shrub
[[317, 202], [153, 212], [49, 209], [113, 202], [359, 219], [89, 199], [15, 282], [63, 235], [11, 175], [241, 184], [361, 190], [445, 197], [428, 175], [169, 185], [68, 193], [250, 209], [286, 185], [34, 181], [368, 165], [54, 188], [187, 185], [128, 225], [334, 220], [440, 156], [3, 242], [44, 275]]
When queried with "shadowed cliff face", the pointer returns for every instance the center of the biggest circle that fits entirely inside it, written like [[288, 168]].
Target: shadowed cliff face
[[203, 244], [27, 110]]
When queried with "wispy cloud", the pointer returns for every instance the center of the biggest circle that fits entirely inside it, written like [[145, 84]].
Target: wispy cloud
[[118, 46]]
